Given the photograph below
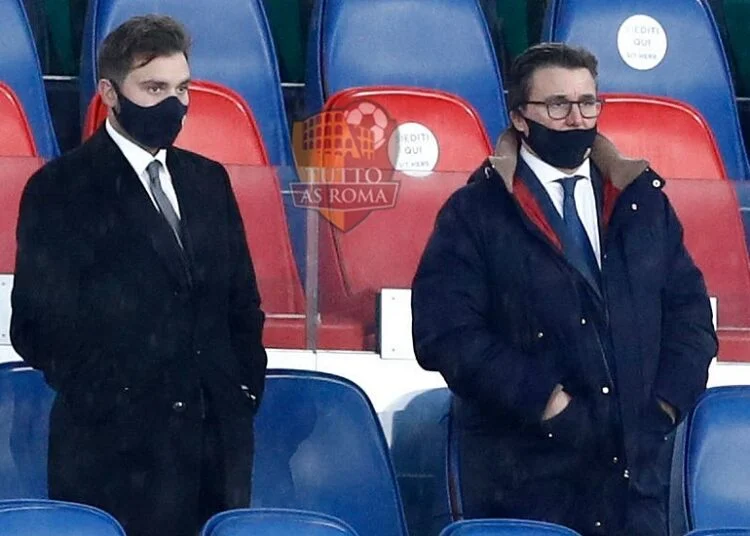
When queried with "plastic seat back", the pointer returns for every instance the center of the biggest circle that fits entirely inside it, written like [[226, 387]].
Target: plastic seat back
[[717, 463], [330, 455], [649, 47], [505, 527], [440, 44], [25, 403], [20, 71], [671, 135], [48, 518], [16, 138], [275, 522]]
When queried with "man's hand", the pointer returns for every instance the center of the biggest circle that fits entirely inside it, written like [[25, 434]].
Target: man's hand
[[557, 402], [668, 409]]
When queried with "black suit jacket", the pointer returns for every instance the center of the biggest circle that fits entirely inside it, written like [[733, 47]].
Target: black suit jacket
[[138, 337]]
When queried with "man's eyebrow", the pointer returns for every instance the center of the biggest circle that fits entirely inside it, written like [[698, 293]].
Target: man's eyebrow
[[153, 82], [185, 82]]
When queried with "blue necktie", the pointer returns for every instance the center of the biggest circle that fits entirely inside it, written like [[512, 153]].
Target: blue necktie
[[577, 247]]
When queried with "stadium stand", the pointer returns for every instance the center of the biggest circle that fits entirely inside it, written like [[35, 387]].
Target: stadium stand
[[382, 251], [716, 468], [720, 532], [505, 527], [330, 455], [25, 402], [391, 42], [655, 53], [55, 518], [20, 71], [275, 522]]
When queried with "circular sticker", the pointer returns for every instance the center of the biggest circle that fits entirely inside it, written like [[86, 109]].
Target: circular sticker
[[413, 149], [642, 42]]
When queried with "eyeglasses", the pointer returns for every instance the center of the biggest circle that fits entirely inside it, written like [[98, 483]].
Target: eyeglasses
[[589, 108]]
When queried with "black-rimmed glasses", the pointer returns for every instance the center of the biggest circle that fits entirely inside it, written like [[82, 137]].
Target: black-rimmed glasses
[[560, 109]]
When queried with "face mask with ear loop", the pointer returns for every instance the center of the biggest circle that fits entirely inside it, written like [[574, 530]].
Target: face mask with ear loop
[[155, 127], [565, 149]]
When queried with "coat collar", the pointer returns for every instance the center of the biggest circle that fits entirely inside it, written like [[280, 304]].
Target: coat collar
[[619, 170]]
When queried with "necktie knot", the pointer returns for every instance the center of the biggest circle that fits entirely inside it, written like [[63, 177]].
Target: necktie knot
[[569, 185], [153, 171]]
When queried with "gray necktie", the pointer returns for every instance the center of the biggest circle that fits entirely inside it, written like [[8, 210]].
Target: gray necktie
[[165, 207]]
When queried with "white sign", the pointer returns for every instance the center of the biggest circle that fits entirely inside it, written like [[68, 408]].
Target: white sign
[[413, 149], [642, 42], [395, 324]]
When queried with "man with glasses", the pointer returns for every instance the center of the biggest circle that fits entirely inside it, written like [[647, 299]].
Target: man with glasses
[[558, 301]]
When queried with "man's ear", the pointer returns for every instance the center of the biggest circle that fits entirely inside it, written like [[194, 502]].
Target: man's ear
[[107, 93], [519, 121]]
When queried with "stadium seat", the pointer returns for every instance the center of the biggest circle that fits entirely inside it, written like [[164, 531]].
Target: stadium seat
[[716, 480], [319, 447], [505, 527], [20, 71], [275, 522], [382, 251], [720, 532], [670, 49], [16, 138], [55, 518], [440, 44], [419, 444], [671, 135], [709, 214], [25, 402], [213, 109]]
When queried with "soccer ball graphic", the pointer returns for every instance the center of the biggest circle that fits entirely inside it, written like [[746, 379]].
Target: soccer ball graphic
[[368, 115]]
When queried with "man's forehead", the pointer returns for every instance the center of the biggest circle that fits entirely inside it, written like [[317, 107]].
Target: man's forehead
[[552, 81], [160, 68]]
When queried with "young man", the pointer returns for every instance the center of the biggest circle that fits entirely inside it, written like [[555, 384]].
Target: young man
[[135, 295], [557, 299]]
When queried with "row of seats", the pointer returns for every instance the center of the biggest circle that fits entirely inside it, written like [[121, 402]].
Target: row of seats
[[331, 442], [360, 43], [383, 250]]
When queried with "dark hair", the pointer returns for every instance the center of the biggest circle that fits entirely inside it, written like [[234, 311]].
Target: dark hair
[[139, 40], [544, 55]]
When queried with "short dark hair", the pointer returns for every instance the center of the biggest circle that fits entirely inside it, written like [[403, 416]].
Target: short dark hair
[[544, 55], [138, 41]]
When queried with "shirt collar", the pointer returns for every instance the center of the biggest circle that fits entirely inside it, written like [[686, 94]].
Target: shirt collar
[[138, 157], [548, 174]]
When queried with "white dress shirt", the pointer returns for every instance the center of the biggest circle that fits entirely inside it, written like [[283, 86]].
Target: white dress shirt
[[584, 194], [139, 158]]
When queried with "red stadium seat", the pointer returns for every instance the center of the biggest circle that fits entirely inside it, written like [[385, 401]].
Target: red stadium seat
[[671, 135], [714, 236], [383, 250], [219, 125], [14, 173], [16, 138]]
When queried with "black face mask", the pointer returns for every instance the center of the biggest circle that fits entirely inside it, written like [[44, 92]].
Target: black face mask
[[565, 149], [155, 127]]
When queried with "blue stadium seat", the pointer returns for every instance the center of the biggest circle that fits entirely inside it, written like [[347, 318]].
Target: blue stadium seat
[[505, 527], [419, 445], [716, 464], [231, 45], [55, 518], [437, 44], [19, 69], [319, 447], [720, 532], [680, 56], [275, 522], [25, 402]]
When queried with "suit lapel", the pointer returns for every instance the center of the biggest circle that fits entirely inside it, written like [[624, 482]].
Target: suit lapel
[[136, 206]]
